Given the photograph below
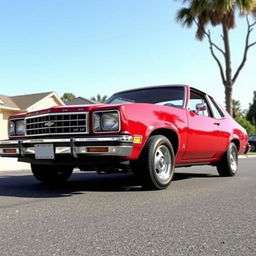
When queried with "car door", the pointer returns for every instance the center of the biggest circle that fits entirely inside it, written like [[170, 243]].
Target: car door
[[203, 141]]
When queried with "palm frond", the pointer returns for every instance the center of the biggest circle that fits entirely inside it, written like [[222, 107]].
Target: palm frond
[[254, 11], [229, 20], [99, 98], [203, 20], [215, 18], [245, 6], [223, 6], [198, 6], [215, 12], [185, 17]]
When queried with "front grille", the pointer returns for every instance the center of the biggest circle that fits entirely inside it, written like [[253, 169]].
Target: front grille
[[58, 123]]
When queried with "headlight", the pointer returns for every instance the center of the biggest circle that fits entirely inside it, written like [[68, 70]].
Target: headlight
[[106, 121], [17, 127], [20, 127], [11, 128]]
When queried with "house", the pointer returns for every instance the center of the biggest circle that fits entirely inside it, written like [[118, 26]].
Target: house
[[10, 105], [79, 101]]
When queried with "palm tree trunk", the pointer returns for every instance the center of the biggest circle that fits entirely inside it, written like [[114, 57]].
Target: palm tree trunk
[[228, 84]]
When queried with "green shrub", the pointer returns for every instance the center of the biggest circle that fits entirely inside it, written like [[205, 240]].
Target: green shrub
[[246, 124]]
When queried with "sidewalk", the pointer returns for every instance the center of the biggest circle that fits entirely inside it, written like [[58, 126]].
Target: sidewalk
[[247, 156], [12, 164]]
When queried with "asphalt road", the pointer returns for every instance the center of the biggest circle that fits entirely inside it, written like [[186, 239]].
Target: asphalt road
[[199, 214]]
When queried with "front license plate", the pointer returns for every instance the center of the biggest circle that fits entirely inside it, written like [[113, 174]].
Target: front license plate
[[44, 151]]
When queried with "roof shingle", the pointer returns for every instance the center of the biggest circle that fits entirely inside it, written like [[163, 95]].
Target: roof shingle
[[25, 101], [22, 102]]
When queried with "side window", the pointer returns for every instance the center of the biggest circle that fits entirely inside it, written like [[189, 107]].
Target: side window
[[195, 99], [217, 113]]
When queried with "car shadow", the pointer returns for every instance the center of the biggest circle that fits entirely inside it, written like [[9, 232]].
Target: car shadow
[[25, 185]]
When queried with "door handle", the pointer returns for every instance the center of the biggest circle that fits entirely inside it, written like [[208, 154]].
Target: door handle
[[217, 123]]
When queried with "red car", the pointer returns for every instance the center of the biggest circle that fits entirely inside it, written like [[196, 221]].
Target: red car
[[149, 131]]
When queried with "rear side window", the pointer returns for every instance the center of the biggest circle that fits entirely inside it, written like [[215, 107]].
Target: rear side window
[[216, 111]]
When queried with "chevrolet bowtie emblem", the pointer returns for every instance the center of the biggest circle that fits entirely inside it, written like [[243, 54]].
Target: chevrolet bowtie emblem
[[49, 124]]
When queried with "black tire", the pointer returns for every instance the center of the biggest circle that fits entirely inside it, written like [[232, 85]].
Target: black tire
[[155, 167], [51, 175], [228, 165]]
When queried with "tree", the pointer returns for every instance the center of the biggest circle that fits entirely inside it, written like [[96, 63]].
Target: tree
[[68, 96], [251, 115], [222, 13], [246, 124], [239, 116], [99, 98], [236, 109]]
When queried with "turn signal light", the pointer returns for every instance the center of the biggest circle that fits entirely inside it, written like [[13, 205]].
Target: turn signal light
[[97, 149], [10, 150]]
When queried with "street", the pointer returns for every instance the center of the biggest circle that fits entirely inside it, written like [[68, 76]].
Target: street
[[199, 214]]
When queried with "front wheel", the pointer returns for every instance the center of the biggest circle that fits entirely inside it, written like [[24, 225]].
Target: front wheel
[[228, 165], [156, 164], [51, 175]]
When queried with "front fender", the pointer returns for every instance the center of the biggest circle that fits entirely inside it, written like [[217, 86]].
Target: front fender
[[148, 119]]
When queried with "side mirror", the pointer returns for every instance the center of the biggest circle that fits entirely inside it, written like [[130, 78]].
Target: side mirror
[[200, 107]]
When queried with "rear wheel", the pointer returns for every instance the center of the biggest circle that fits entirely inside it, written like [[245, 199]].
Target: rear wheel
[[51, 175], [155, 167], [228, 165]]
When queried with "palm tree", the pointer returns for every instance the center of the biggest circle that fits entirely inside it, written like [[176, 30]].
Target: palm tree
[[223, 13], [99, 98]]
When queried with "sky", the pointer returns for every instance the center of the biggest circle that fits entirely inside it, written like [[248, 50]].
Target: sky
[[90, 47]]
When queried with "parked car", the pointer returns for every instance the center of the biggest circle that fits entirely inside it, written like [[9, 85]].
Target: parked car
[[148, 131], [252, 142]]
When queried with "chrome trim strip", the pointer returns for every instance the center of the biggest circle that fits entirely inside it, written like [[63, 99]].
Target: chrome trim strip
[[8, 142], [57, 114], [71, 148], [112, 151], [62, 150], [58, 150], [120, 138], [45, 141], [17, 119]]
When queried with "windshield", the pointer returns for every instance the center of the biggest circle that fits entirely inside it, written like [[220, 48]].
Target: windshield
[[168, 96]]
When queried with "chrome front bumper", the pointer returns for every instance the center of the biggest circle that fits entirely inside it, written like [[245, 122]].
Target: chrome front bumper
[[109, 146]]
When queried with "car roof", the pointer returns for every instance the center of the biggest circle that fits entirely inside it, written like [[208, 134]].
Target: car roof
[[162, 86], [153, 87]]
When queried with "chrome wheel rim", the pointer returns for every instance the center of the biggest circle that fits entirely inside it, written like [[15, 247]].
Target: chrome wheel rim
[[162, 163], [233, 160]]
